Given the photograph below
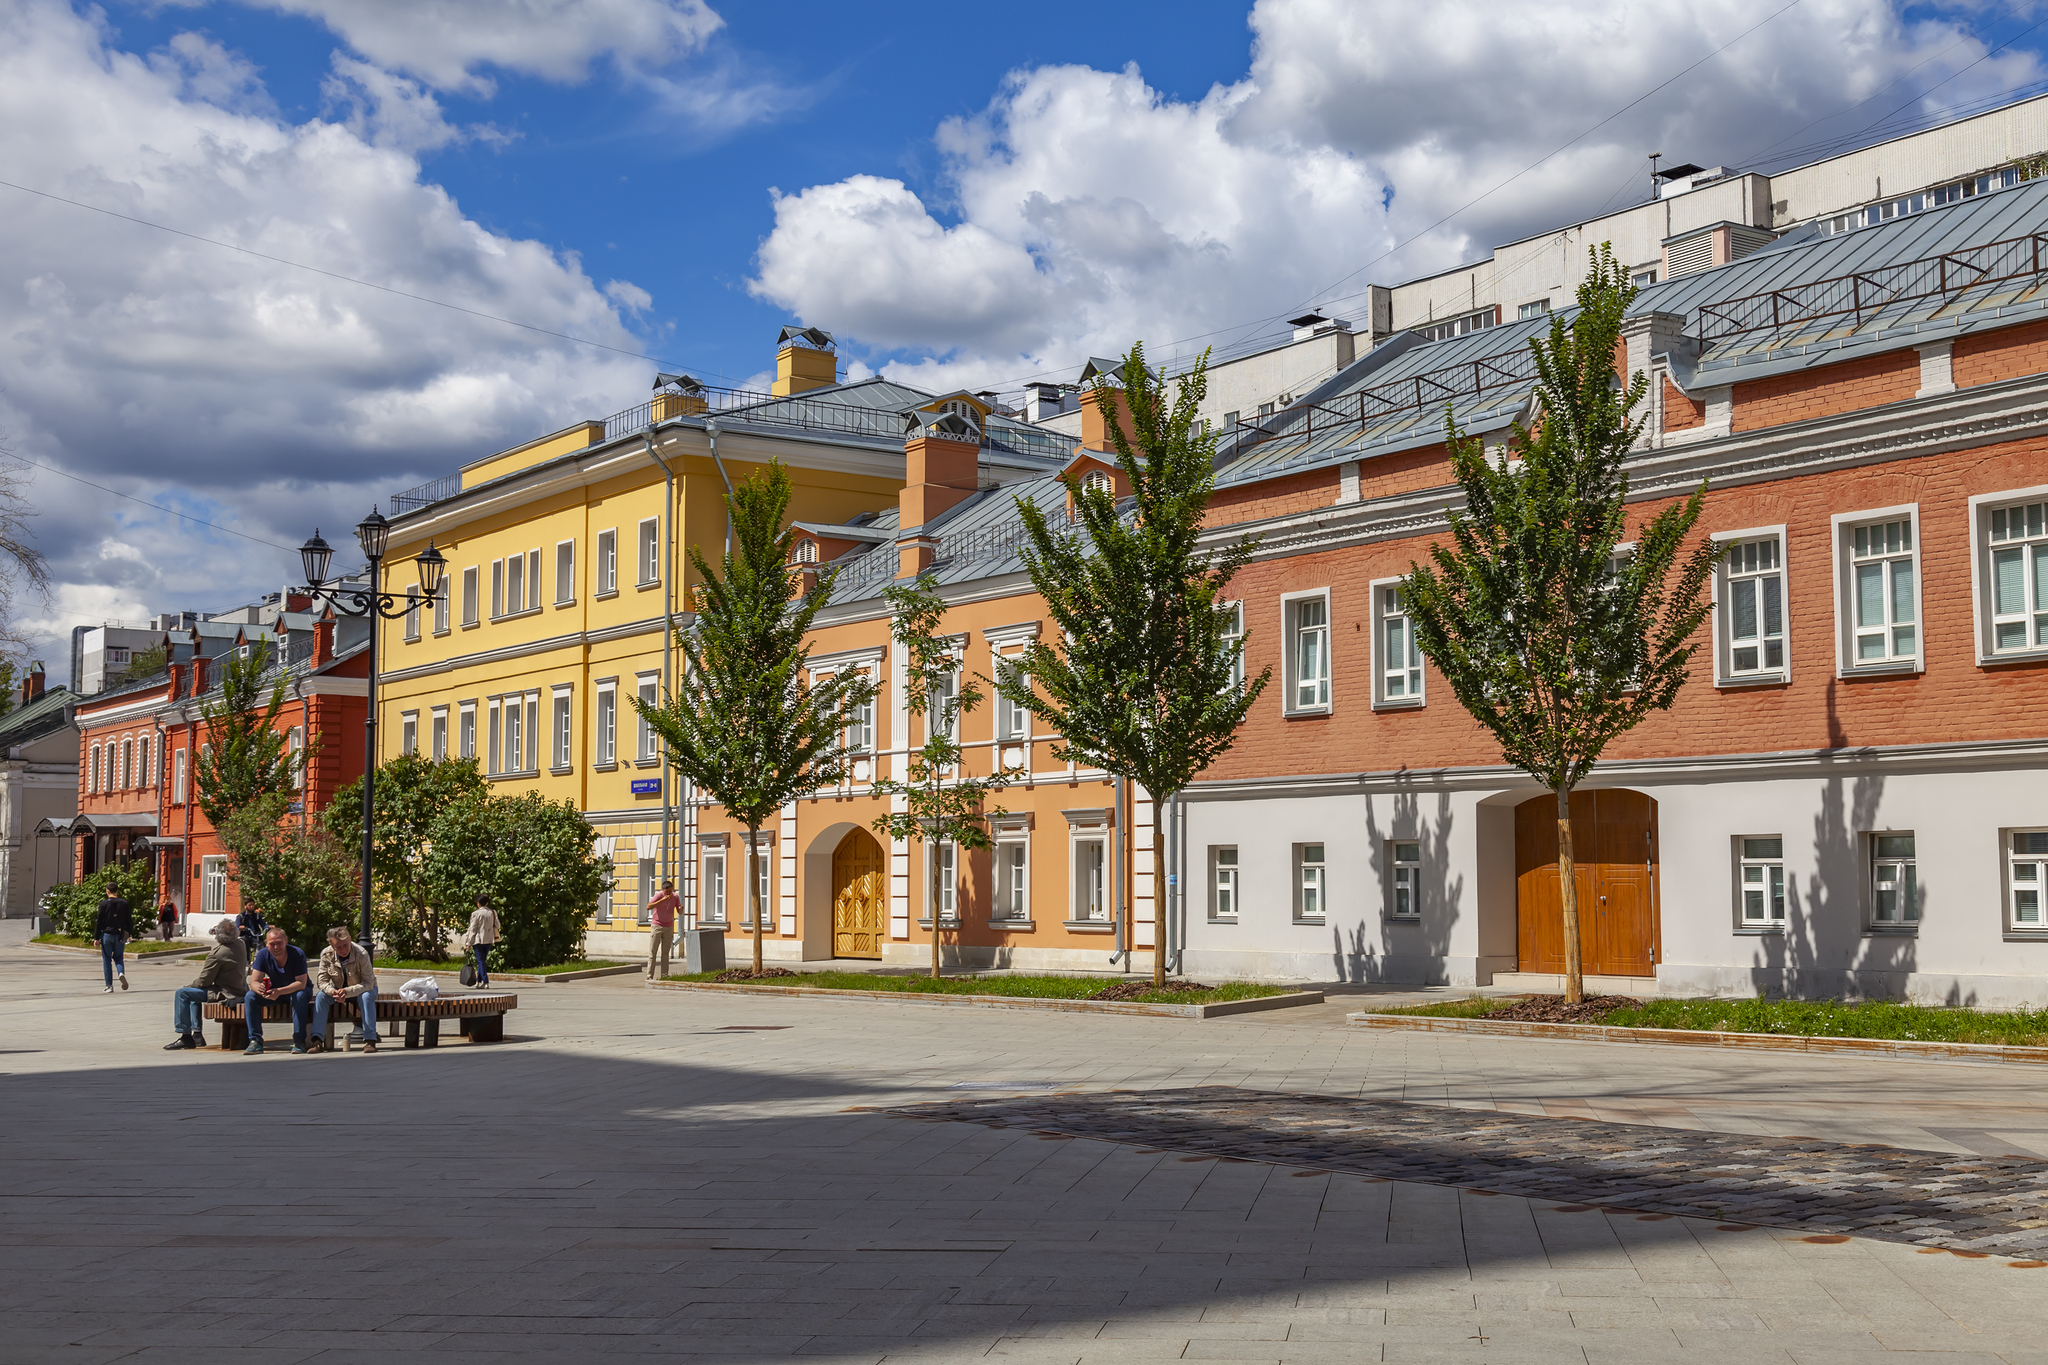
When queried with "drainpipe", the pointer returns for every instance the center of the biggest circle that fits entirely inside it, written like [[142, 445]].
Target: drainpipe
[[1116, 852], [1177, 814], [668, 639], [711, 430]]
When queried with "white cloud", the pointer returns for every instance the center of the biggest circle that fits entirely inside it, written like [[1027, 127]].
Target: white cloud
[[391, 111], [258, 396], [1083, 209]]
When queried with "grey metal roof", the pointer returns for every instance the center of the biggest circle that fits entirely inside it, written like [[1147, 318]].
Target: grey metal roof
[[37, 718]]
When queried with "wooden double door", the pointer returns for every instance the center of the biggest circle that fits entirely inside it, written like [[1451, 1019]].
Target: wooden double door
[[1614, 845], [860, 888]]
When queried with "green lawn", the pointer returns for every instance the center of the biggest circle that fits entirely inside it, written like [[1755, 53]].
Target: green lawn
[[454, 964], [1804, 1018], [135, 948], [1039, 987]]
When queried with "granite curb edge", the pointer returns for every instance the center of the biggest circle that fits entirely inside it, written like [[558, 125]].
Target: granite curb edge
[[1755, 1042], [1214, 1010]]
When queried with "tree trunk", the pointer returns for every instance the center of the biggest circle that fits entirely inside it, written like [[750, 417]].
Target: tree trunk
[[754, 888], [1568, 886], [933, 892], [1162, 901]]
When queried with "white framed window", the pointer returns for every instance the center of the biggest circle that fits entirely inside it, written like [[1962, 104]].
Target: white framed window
[[1398, 669], [2026, 881], [942, 874], [605, 572], [465, 731], [1223, 885], [2009, 543], [1537, 309], [441, 608], [295, 749], [607, 725], [438, 749], [860, 730], [148, 778], [515, 585], [1760, 881], [1013, 718], [646, 877], [1879, 557], [412, 614], [533, 580], [711, 886], [532, 733], [497, 588], [1894, 882], [213, 886], [562, 732], [92, 770], [1012, 876], [1098, 481], [409, 732], [178, 778], [510, 758], [565, 572], [650, 551], [806, 551], [943, 688], [1404, 882], [1307, 631], [128, 763], [469, 602], [1233, 631], [1749, 589], [607, 851], [1311, 883], [1090, 903], [650, 685], [764, 879]]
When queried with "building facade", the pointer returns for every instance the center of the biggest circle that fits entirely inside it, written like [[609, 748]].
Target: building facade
[[38, 780]]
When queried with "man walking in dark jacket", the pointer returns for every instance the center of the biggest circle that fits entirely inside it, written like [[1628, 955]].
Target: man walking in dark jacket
[[116, 927]]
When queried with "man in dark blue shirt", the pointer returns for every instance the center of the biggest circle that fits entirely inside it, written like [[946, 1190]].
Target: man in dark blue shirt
[[278, 973]]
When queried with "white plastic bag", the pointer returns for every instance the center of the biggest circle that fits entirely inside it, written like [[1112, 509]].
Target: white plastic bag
[[420, 988]]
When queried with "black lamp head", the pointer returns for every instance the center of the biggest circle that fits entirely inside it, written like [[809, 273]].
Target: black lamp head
[[315, 555], [372, 533]]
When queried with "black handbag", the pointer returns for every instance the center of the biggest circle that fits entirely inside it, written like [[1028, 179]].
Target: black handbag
[[469, 972]]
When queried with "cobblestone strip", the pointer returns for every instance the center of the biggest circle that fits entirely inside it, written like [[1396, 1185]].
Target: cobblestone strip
[[1995, 1204]]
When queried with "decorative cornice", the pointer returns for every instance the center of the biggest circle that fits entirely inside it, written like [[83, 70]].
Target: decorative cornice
[[575, 639]]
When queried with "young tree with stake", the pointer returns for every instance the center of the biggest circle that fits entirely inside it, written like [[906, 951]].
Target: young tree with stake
[[941, 803], [1143, 681], [1550, 638], [244, 756], [746, 724]]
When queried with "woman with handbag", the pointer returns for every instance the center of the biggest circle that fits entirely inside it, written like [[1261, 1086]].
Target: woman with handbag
[[481, 938]]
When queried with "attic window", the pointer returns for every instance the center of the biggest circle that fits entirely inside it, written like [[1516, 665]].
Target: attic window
[[1097, 481], [807, 552], [961, 409]]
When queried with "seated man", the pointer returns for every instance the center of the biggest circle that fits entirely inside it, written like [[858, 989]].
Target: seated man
[[224, 976], [278, 973], [345, 974]]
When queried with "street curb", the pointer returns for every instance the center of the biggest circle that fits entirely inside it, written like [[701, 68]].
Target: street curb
[[168, 954], [1752, 1042], [523, 978], [1215, 1010]]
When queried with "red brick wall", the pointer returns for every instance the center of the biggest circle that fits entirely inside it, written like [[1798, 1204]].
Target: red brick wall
[[1953, 700], [1275, 497], [1829, 389], [1681, 412], [2006, 354]]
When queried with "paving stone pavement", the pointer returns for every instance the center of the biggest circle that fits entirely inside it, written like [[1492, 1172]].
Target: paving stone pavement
[[640, 1173], [1927, 1198]]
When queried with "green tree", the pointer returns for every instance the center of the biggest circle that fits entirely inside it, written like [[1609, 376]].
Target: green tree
[[74, 908], [942, 805], [746, 724], [1553, 640], [412, 793], [144, 663], [244, 756], [300, 876], [534, 858], [1144, 680]]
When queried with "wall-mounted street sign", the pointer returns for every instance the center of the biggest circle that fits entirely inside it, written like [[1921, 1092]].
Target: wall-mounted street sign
[[646, 786]]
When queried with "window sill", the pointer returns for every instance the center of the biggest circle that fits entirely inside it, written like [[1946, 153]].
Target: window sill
[[643, 587], [1316, 920], [1013, 926], [1878, 671], [1778, 679], [1401, 704], [471, 625], [1410, 921], [563, 770], [2017, 656], [1758, 930], [1090, 926], [439, 633], [604, 767], [943, 924], [512, 776], [410, 639], [515, 615], [565, 602], [2026, 936], [604, 596], [1306, 713], [1887, 931], [1223, 919]]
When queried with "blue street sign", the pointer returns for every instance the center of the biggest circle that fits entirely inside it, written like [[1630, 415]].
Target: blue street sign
[[646, 786]]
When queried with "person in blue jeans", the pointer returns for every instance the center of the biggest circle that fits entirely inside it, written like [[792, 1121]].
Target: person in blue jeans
[[482, 937], [278, 973], [225, 976], [116, 927]]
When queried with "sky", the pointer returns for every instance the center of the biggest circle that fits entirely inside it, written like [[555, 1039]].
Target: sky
[[265, 262]]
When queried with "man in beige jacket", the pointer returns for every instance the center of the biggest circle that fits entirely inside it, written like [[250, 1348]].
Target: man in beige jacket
[[345, 973], [482, 937]]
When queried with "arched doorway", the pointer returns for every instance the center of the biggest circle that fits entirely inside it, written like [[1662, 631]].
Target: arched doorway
[[1614, 843], [860, 889]]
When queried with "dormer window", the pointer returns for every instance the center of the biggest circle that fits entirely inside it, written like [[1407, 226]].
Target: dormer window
[[807, 552], [1097, 481], [961, 409]]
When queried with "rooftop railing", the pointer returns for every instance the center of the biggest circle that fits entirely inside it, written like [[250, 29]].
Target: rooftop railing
[[1428, 389], [433, 490]]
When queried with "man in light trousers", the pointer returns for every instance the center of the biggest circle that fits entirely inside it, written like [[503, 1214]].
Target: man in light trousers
[[661, 914], [346, 973]]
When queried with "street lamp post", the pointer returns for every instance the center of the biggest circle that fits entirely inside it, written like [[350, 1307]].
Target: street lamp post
[[372, 533]]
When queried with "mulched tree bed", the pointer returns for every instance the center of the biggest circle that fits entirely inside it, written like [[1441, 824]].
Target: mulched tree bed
[[1551, 1009], [1131, 990], [749, 974]]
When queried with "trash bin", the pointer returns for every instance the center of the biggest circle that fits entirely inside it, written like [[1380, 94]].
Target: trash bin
[[703, 950]]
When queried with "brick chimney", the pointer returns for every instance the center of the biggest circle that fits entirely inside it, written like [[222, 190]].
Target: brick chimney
[[201, 684], [323, 640], [177, 681], [32, 685], [1095, 424], [942, 461]]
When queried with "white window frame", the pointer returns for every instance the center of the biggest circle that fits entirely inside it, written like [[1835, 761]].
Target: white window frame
[[1226, 883], [605, 737], [604, 570], [711, 880], [1097, 837], [1983, 588], [646, 745], [648, 545], [1905, 882], [92, 772], [1311, 876], [497, 589], [1844, 525], [1761, 888], [295, 750], [515, 584], [533, 733], [213, 886], [860, 734], [465, 730], [1387, 606], [1404, 880], [440, 600], [1291, 611], [178, 777], [1012, 834], [562, 727], [1725, 579], [471, 605], [565, 573], [1233, 631], [494, 737], [2025, 871], [942, 866], [408, 732], [646, 873], [764, 870], [437, 729], [412, 615]]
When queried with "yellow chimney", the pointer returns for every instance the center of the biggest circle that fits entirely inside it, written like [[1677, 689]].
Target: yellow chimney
[[806, 360]]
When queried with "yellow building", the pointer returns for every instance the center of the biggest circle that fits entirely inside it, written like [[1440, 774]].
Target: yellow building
[[567, 560]]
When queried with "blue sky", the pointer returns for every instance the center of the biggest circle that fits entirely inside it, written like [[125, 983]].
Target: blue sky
[[965, 195]]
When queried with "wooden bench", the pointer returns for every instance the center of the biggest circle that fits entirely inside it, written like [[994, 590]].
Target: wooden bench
[[481, 1017]]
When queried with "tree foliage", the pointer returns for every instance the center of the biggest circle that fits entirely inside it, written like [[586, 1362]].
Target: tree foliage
[[244, 756], [1552, 638], [74, 907], [534, 858], [941, 803], [1143, 679], [293, 870], [413, 792], [746, 724], [23, 569]]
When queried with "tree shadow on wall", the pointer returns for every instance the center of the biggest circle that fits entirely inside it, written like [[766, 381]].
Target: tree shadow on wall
[[1378, 949]]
